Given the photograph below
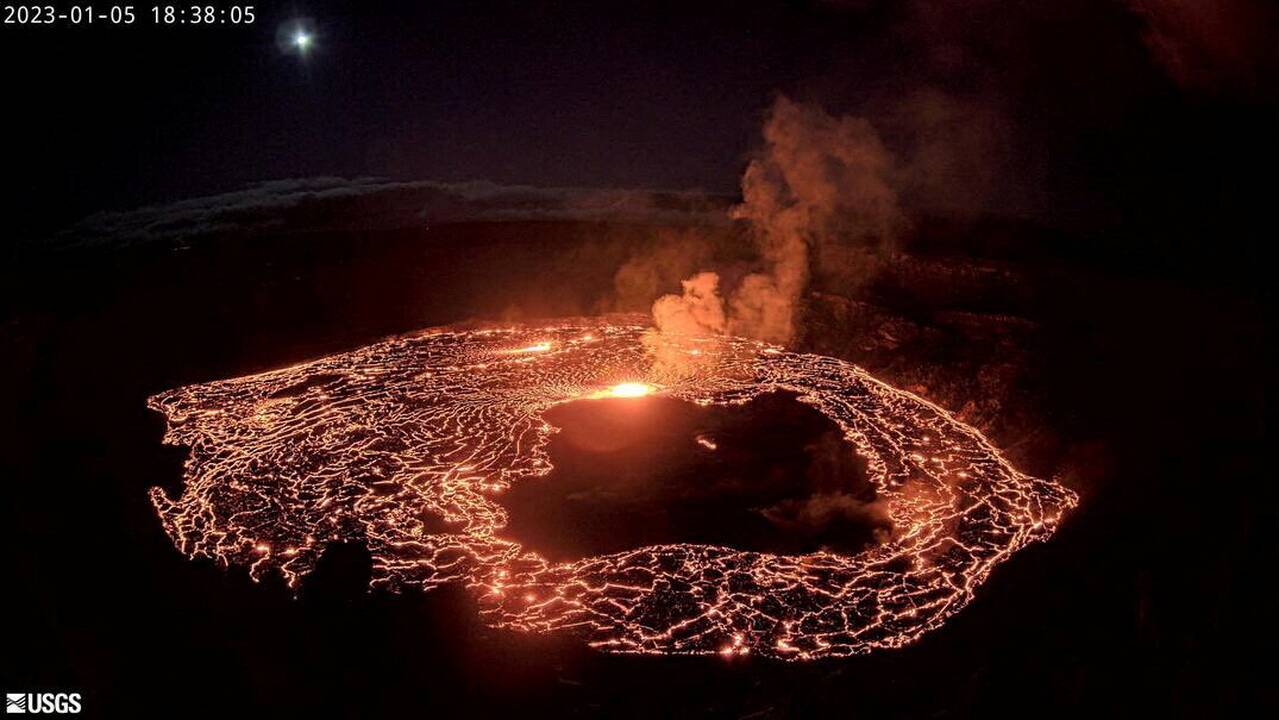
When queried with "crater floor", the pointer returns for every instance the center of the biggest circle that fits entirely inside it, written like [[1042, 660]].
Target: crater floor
[[412, 447]]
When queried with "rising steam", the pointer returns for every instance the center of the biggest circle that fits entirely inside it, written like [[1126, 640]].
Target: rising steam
[[699, 311], [817, 198]]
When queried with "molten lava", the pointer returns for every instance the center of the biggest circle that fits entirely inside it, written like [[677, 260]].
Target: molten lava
[[623, 390], [408, 445]]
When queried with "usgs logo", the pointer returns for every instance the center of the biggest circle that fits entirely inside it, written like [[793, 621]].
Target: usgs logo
[[58, 703]]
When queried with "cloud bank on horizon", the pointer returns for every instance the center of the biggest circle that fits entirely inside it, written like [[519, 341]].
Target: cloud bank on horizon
[[333, 203]]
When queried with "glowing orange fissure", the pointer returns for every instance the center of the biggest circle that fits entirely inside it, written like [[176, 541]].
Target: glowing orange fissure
[[535, 348], [363, 446], [622, 390]]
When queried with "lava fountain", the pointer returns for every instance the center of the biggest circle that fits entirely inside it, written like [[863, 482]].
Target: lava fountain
[[408, 445]]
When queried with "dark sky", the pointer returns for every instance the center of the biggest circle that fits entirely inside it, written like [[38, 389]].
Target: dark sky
[[577, 94], [1063, 111]]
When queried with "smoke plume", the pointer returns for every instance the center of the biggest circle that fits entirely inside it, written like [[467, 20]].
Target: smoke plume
[[1219, 46], [817, 198], [699, 311], [683, 322], [673, 255]]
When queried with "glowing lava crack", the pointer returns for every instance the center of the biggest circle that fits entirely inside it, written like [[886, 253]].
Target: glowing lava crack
[[407, 445]]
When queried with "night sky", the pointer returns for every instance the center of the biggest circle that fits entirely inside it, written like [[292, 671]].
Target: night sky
[[1101, 117], [577, 94]]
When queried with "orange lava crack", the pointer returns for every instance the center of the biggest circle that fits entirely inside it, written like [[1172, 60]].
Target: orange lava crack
[[407, 446]]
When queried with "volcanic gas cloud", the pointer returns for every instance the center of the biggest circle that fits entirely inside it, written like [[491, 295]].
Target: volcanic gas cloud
[[407, 447]]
